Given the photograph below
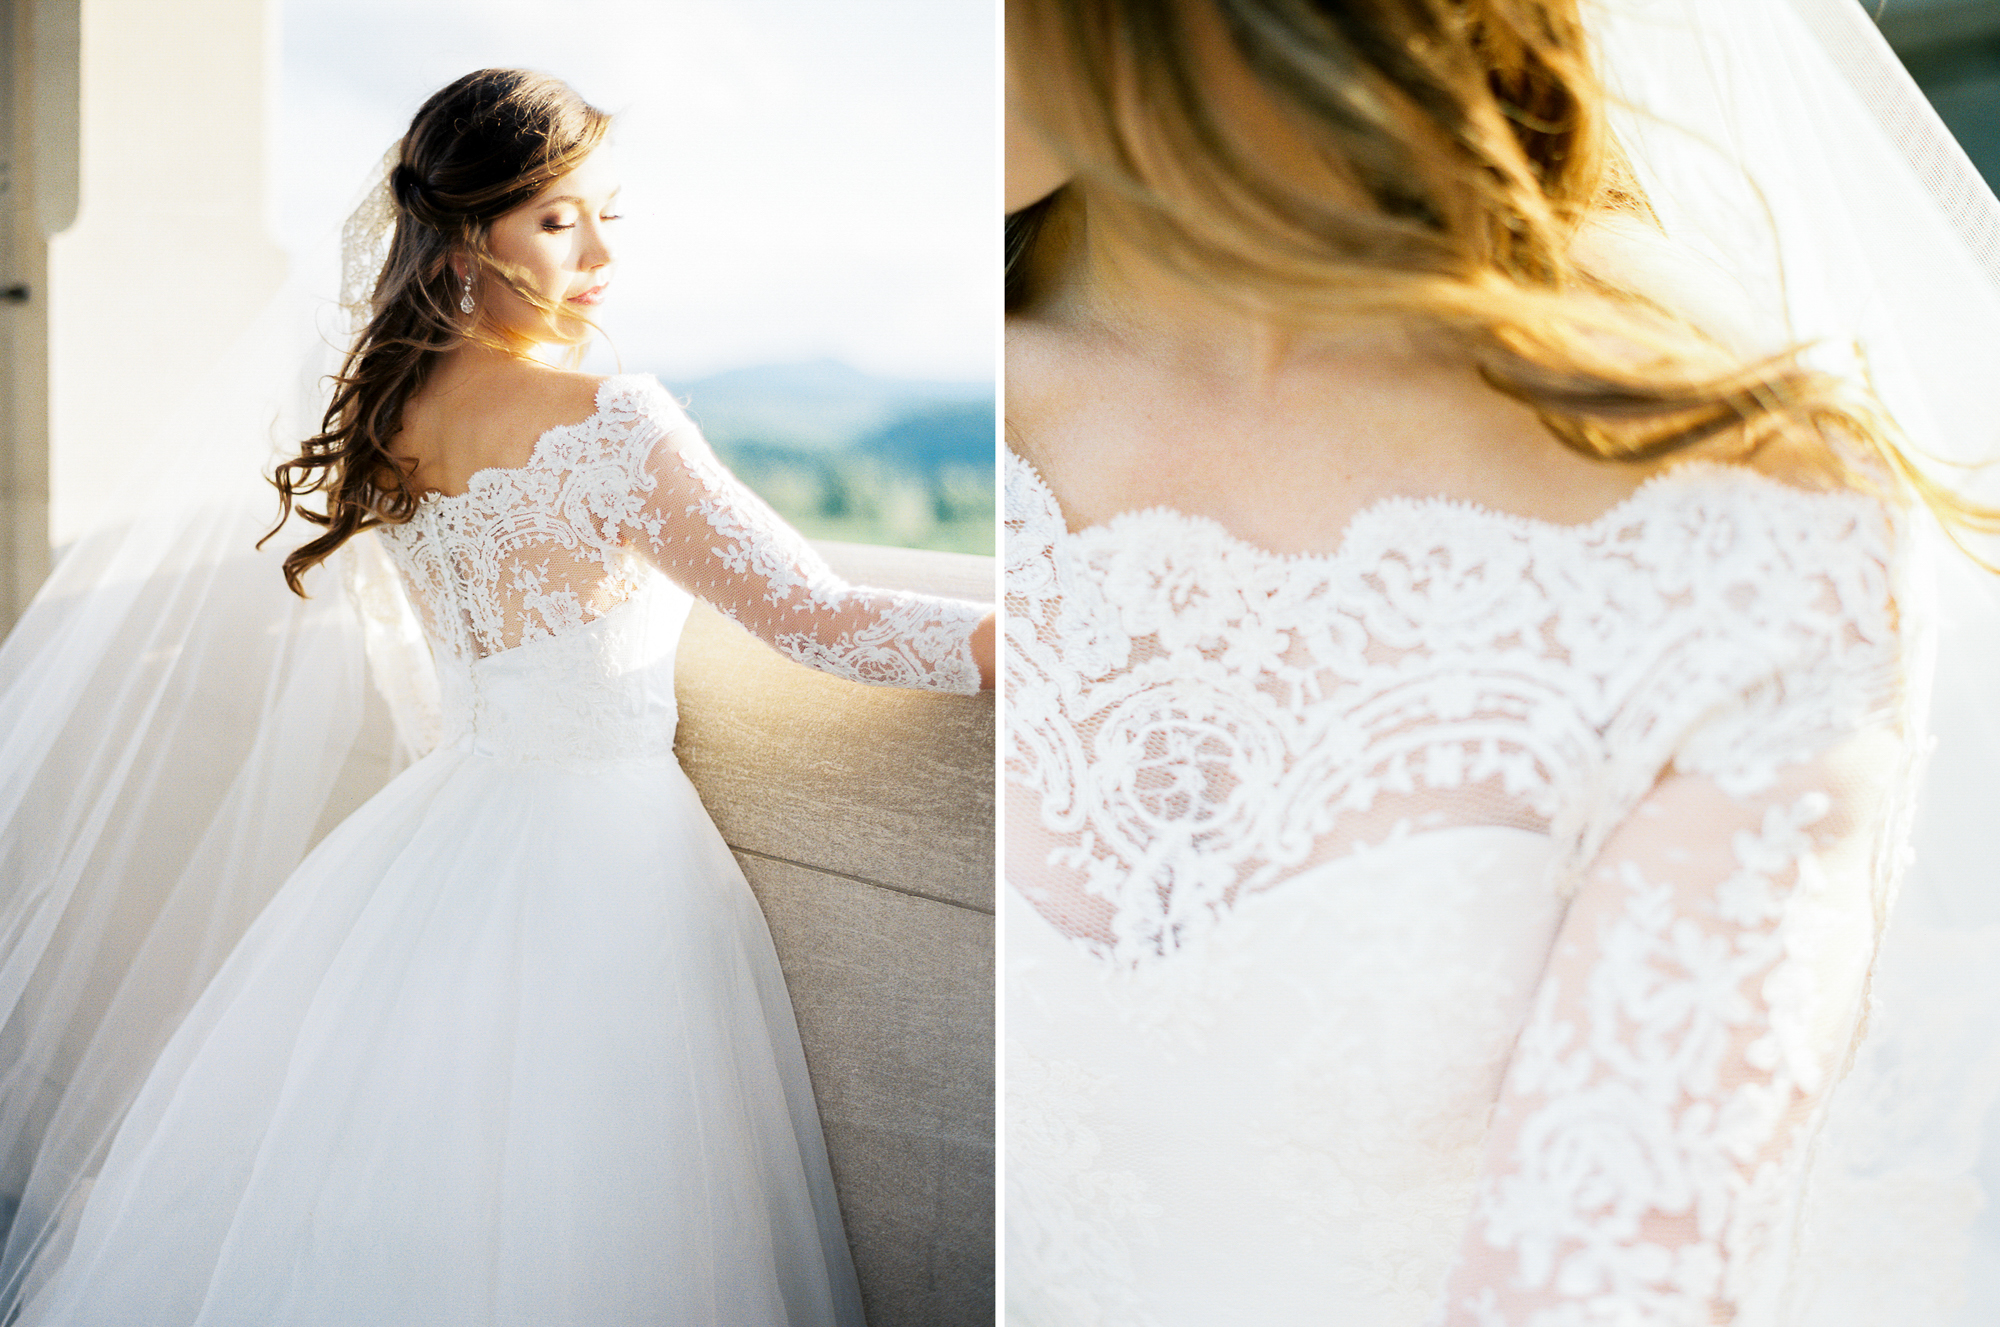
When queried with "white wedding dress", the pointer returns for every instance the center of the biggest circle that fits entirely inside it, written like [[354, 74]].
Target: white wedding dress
[[1468, 926], [1501, 924], [511, 1046]]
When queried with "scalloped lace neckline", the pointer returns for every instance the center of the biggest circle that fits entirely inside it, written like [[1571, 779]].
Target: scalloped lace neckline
[[1690, 475], [485, 476]]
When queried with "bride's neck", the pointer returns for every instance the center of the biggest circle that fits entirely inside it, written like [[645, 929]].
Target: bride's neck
[[1090, 279]]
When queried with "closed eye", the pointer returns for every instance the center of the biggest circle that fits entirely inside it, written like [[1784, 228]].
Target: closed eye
[[555, 227]]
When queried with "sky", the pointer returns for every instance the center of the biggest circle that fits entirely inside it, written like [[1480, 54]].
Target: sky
[[803, 178]]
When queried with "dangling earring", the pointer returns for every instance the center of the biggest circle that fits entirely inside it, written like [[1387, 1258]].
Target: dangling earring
[[465, 304]]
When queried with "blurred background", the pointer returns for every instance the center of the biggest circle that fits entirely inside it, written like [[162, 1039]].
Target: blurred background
[[1952, 49], [810, 210]]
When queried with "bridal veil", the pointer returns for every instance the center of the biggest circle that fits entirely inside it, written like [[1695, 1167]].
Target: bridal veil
[[176, 730]]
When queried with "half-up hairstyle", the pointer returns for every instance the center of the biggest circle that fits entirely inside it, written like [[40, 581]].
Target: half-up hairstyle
[[1471, 146], [478, 149]]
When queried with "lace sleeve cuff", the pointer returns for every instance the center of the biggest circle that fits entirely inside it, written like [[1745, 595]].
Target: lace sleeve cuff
[[918, 642]]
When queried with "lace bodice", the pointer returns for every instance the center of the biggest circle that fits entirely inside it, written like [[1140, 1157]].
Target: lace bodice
[[1695, 702], [563, 582]]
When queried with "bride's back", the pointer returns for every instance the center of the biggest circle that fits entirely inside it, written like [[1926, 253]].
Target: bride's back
[[540, 504], [488, 415]]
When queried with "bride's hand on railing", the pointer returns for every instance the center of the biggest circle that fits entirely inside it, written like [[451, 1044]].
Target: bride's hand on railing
[[982, 650]]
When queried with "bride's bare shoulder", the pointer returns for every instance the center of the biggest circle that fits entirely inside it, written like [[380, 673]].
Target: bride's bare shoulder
[[489, 418], [549, 396]]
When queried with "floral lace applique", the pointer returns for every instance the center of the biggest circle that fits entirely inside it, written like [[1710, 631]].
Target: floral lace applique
[[1698, 698], [1193, 719], [539, 551], [1646, 1159]]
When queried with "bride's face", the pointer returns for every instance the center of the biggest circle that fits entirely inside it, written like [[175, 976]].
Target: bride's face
[[559, 243]]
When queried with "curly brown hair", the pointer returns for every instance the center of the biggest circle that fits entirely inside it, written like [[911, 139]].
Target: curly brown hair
[[477, 149]]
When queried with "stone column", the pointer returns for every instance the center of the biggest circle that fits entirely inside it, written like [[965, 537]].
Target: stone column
[[170, 256], [38, 191]]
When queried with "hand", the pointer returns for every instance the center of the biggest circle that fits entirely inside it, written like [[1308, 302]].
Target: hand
[[982, 649]]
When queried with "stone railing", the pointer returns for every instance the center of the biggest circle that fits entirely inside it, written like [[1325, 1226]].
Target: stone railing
[[863, 818]]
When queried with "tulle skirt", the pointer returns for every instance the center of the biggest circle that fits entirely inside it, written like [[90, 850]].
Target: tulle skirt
[[511, 1047]]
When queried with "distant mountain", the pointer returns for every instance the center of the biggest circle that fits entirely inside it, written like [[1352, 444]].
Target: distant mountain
[[824, 405], [846, 455], [928, 437]]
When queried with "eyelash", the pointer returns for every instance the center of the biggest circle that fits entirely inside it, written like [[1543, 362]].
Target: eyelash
[[554, 227]]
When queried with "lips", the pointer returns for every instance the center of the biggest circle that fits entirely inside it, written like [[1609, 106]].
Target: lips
[[595, 295]]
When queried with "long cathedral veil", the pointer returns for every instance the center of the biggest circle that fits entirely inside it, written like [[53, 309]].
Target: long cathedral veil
[[176, 729]]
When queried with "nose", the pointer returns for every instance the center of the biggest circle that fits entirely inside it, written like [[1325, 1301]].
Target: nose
[[597, 246]]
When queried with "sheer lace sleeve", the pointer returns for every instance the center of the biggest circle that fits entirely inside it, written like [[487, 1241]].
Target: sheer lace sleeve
[[1648, 1150], [716, 539]]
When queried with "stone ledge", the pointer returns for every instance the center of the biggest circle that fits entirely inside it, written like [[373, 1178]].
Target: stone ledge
[[894, 997], [863, 819]]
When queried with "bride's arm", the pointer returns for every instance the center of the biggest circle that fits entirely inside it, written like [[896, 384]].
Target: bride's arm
[[719, 541], [1702, 997]]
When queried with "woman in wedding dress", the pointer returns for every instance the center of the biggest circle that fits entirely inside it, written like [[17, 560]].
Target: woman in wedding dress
[[511, 1046], [1463, 675]]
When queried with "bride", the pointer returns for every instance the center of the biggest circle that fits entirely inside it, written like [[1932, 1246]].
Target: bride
[[1465, 664], [511, 1044]]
